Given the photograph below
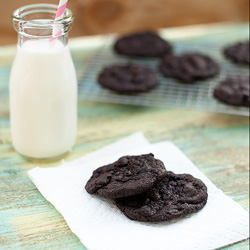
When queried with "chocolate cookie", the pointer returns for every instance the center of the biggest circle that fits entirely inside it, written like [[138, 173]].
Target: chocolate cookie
[[146, 44], [128, 79], [234, 91], [238, 53], [175, 196], [188, 67], [130, 175]]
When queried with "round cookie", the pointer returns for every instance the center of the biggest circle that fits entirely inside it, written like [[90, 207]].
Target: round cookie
[[188, 67], [145, 44], [175, 196], [130, 175], [128, 79], [238, 53], [234, 91]]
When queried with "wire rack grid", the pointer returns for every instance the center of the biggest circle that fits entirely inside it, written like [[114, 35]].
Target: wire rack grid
[[169, 93]]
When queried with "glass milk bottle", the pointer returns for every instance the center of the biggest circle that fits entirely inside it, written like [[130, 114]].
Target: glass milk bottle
[[43, 84]]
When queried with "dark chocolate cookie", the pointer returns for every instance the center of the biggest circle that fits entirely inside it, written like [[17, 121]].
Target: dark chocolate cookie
[[175, 196], [146, 44], [238, 53], [188, 67], [129, 175], [234, 91], [128, 79]]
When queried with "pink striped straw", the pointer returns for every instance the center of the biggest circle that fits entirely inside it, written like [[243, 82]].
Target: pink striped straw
[[59, 14]]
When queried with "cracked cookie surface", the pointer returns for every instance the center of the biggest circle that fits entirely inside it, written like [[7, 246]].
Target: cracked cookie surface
[[188, 67], [175, 196], [128, 79], [234, 91], [130, 175], [238, 53], [145, 44]]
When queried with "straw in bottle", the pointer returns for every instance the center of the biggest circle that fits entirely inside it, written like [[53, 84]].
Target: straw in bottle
[[60, 11]]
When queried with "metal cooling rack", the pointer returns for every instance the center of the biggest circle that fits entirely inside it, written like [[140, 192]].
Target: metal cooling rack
[[169, 93]]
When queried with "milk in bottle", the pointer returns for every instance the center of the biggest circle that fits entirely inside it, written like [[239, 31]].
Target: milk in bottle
[[43, 98]]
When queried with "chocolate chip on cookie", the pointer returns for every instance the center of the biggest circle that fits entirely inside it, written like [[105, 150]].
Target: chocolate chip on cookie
[[145, 44], [130, 175], [188, 67], [128, 79], [234, 91], [238, 53], [175, 196]]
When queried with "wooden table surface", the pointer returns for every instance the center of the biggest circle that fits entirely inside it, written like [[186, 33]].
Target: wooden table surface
[[218, 144]]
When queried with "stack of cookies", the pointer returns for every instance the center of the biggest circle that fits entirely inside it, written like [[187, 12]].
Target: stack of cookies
[[144, 190]]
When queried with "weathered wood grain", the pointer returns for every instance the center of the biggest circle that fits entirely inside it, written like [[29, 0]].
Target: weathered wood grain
[[218, 144]]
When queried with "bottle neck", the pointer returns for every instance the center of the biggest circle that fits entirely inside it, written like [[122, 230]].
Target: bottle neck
[[37, 22], [22, 38]]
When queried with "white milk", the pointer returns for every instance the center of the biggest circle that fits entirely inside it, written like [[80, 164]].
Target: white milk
[[43, 100]]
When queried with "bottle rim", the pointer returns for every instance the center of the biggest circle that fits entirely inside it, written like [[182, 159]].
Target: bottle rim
[[20, 15]]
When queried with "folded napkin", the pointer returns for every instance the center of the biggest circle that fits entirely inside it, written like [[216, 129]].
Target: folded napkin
[[101, 226]]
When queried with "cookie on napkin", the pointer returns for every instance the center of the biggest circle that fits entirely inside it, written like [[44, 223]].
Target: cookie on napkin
[[175, 196], [130, 175], [220, 223]]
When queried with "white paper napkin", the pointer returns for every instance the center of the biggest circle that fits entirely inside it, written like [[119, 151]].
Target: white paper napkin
[[101, 226]]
